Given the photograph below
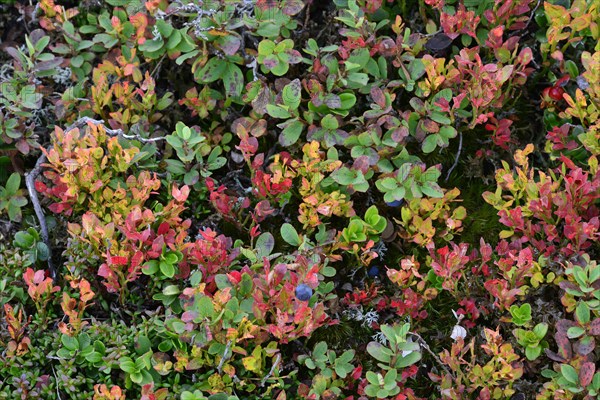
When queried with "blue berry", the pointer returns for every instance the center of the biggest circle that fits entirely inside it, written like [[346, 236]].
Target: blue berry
[[303, 292], [395, 203], [373, 271]]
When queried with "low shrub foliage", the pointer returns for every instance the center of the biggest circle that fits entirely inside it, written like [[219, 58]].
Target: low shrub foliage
[[354, 199]]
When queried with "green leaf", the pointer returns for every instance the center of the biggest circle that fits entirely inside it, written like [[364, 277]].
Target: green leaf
[[77, 61], [167, 269], [23, 240], [171, 290], [94, 357], [569, 373], [264, 245], [266, 47], [440, 118], [532, 352], [379, 352], [150, 268], [42, 251], [42, 43], [291, 133], [575, 332], [150, 46], [69, 342], [310, 364], [582, 313], [206, 309], [344, 176], [348, 100], [430, 143], [432, 189], [448, 132], [571, 68], [246, 285], [390, 379], [213, 70], [174, 40], [386, 184], [329, 122], [164, 28], [289, 235], [277, 112], [291, 94], [187, 44], [280, 68], [136, 377], [409, 359], [373, 378], [186, 56], [398, 193], [171, 258], [540, 330], [233, 80]]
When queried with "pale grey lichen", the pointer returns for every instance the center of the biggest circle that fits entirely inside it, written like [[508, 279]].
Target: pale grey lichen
[[62, 76]]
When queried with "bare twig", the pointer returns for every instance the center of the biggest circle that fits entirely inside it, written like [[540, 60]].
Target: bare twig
[[39, 212], [275, 364], [158, 65], [225, 356], [306, 17], [254, 65], [112, 132], [424, 345], [531, 16], [457, 156], [56, 377]]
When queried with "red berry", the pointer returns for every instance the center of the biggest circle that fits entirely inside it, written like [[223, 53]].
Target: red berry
[[556, 93]]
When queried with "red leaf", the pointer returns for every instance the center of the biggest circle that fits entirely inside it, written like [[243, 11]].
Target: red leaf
[[378, 96], [586, 373], [163, 228], [137, 259], [119, 260], [595, 327], [182, 194], [40, 187]]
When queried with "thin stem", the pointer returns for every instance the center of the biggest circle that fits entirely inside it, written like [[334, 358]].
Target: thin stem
[[460, 141], [424, 345], [275, 364], [39, 211], [225, 356]]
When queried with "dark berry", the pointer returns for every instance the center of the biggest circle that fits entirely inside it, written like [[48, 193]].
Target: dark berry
[[303, 292], [395, 203], [373, 271]]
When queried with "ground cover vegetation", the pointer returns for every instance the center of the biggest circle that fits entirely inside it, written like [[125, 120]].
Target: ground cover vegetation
[[256, 199]]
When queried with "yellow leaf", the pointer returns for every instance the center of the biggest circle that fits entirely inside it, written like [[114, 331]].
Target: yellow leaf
[[593, 163], [216, 32], [253, 363], [521, 155]]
